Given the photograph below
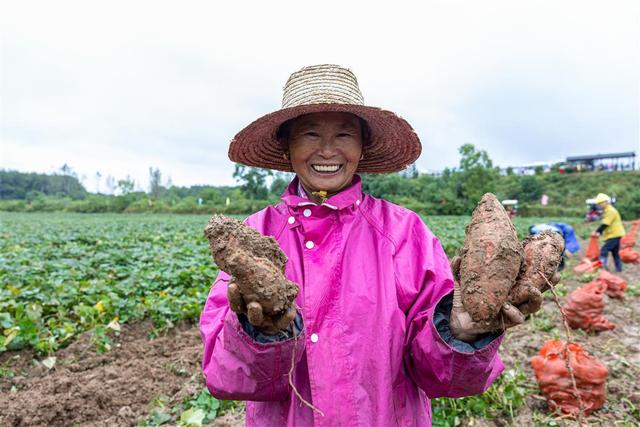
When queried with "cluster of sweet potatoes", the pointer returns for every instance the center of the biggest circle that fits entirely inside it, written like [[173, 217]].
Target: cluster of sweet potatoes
[[495, 267]]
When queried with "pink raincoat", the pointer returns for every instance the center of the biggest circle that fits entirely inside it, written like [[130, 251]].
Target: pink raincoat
[[370, 275]]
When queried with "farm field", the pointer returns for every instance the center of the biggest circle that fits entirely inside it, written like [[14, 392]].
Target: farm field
[[82, 294]]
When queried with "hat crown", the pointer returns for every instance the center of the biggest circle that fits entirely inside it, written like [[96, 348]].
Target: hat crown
[[601, 198], [322, 84]]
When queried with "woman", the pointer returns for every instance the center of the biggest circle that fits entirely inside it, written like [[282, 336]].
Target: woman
[[611, 230], [379, 328]]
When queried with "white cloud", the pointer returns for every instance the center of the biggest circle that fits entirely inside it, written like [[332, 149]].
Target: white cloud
[[121, 86]]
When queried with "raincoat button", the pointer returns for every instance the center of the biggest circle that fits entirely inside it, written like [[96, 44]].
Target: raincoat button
[[358, 202], [307, 213], [309, 244], [291, 220], [314, 337]]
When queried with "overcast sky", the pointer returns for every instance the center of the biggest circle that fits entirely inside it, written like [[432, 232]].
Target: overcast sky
[[119, 86]]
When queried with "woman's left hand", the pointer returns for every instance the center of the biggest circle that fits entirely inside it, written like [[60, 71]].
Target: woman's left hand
[[464, 328]]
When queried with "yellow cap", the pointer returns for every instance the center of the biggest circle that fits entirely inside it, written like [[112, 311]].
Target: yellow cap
[[602, 198]]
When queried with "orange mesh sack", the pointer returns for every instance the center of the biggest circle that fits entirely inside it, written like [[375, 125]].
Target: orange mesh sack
[[615, 285], [629, 256], [584, 308], [629, 239], [587, 266], [593, 250], [554, 380]]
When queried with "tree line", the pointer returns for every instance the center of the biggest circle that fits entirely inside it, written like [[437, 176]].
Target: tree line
[[453, 192]]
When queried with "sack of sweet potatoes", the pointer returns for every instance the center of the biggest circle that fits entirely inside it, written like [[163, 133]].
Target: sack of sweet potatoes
[[585, 306], [553, 377], [615, 285]]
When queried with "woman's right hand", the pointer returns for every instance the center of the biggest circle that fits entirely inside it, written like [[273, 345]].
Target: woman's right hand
[[250, 306]]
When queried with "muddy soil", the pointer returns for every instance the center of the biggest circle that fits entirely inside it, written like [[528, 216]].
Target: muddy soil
[[115, 388], [490, 259]]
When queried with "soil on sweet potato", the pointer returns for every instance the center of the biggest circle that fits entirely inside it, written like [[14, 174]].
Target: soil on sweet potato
[[256, 263], [491, 258]]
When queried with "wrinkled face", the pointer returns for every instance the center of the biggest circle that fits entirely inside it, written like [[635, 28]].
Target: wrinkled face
[[324, 149]]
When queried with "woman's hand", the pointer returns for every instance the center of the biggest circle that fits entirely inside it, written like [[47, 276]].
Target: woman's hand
[[463, 327], [251, 306]]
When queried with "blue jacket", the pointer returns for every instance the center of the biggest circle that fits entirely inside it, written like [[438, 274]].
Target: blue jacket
[[570, 241]]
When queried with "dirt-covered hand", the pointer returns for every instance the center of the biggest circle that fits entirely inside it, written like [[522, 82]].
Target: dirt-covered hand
[[463, 327], [250, 306]]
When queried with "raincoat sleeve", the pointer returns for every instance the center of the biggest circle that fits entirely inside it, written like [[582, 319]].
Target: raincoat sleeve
[[235, 365], [424, 280]]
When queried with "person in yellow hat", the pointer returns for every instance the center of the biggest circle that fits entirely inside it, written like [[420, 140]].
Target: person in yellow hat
[[611, 230]]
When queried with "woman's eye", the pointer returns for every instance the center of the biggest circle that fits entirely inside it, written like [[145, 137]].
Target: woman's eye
[[344, 135], [311, 134]]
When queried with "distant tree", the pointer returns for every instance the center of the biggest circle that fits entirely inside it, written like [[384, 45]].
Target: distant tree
[[69, 176], [98, 179], [531, 189], [155, 182], [15, 185], [126, 186], [477, 174], [279, 183], [253, 181], [410, 172], [110, 183]]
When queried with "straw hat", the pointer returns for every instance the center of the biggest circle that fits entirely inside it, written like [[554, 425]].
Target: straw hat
[[392, 144], [602, 198]]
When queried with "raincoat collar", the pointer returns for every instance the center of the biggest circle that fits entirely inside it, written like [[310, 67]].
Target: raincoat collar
[[345, 198]]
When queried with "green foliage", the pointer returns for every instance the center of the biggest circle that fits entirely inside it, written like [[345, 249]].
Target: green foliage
[[455, 192], [450, 229], [501, 400], [19, 185], [194, 411], [63, 275], [476, 176], [253, 181]]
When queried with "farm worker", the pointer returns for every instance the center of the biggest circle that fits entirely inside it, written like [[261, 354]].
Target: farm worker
[[571, 244], [376, 334], [611, 230]]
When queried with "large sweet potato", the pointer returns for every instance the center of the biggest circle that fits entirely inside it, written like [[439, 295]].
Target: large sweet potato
[[490, 260], [255, 262], [542, 254]]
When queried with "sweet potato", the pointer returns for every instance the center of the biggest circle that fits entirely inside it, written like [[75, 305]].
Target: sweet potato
[[255, 262], [542, 254], [491, 258]]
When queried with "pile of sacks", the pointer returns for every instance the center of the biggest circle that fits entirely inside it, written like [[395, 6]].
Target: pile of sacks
[[627, 254], [555, 382], [584, 308]]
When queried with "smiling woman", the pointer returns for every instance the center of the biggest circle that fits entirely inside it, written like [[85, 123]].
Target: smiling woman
[[374, 335], [324, 149]]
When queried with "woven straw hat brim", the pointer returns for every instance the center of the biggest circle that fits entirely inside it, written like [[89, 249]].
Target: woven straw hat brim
[[393, 144]]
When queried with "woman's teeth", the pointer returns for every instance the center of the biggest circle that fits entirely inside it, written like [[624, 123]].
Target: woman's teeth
[[325, 168]]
